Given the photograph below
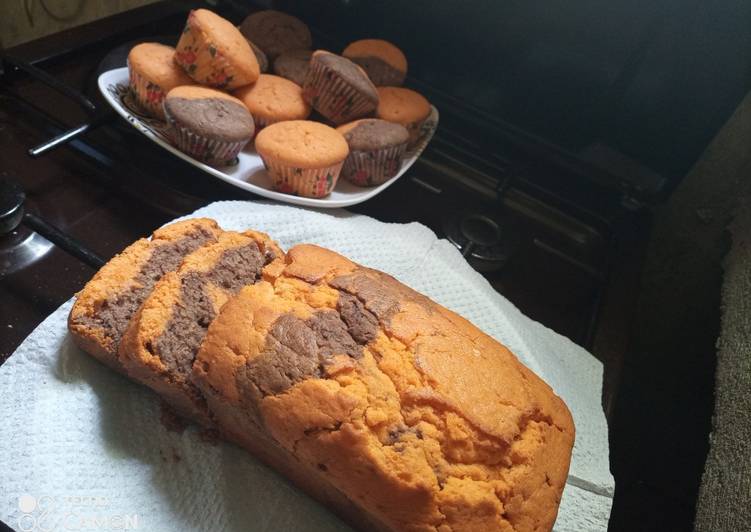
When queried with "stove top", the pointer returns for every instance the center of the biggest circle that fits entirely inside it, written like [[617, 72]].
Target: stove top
[[541, 237], [564, 250]]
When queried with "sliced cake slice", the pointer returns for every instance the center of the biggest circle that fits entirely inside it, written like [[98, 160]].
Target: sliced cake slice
[[107, 303], [163, 338]]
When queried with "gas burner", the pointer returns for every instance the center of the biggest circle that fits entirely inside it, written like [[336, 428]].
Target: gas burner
[[21, 247], [480, 238], [12, 198], [25, 237]]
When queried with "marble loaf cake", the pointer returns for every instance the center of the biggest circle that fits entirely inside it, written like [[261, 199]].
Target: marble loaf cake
[[390, 409]]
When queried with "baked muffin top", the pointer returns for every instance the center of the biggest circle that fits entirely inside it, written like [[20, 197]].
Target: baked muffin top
[[347, 71], [155, 62], [400, 105], [372, 134], [275, 98], [385, 50], [384, 62], [209, 112], [227, 40], [293, 65], [302, 143], [276, 32]]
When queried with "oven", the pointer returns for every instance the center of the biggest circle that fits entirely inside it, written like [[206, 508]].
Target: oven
[[563, 128]]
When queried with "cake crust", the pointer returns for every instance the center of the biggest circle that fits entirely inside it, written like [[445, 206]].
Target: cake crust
[[391, 407], [104, 307], [163, 337]]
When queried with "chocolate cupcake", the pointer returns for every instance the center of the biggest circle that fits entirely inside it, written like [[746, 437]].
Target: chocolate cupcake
[[293, 65], [376, 150], [273, 99], [152, 74], [384, 63], [405, 107], [207, 124], [213, 52], [275, 32], [339, 89], [303, 158]]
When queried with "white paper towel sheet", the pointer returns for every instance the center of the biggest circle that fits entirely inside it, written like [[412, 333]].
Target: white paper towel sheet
[[82, 448]]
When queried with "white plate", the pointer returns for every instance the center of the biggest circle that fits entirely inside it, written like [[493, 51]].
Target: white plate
[[249, 173]]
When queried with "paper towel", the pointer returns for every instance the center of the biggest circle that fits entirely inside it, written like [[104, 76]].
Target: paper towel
[[80, 446]]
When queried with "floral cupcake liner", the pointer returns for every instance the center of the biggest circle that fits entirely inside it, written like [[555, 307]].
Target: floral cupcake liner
[[333, 97], [308, 182], [370, 168], [147, 95], [214, 152], [202, 61]]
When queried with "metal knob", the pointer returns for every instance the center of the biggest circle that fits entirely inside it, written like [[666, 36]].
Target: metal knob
[[12, 198]]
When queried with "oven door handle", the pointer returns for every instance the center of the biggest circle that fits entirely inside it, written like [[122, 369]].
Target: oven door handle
[[69, 135]]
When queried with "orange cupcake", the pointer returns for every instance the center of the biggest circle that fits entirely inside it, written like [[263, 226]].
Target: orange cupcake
[[214, 52], [405, 107], [304, 158], [384, 63], [153, 74], [273, 99]]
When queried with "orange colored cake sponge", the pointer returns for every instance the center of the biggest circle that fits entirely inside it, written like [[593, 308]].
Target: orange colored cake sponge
[[105, 306], [394, 410]]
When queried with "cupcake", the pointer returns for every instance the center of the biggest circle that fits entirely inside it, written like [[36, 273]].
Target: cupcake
[[207, 124], [376, 150], [384, 63], [153, 74], [303, 157], [273, 99], [263, 61], [275, 32], [405, 107], [213, 52], [293, 65], [339, 89]]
